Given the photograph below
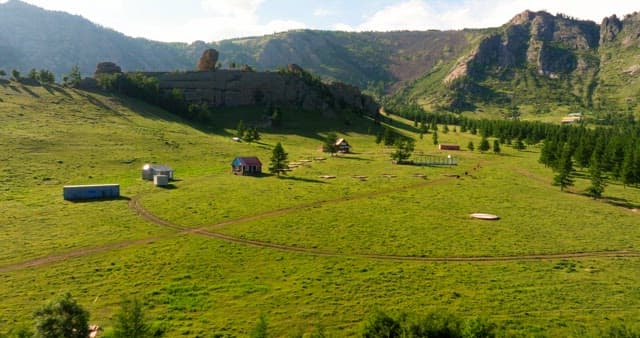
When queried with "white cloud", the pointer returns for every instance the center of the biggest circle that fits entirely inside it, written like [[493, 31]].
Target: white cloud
[[232, 8], [423, 14], [410, 15], [322, 12], [342, 27], [222, 19]]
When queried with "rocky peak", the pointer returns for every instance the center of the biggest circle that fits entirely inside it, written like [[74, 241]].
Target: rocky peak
[[609, 29], [631, 30], [209, 60]]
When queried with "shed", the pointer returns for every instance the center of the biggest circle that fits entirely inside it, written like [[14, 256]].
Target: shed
[[150, 170], [448, 147], [246, 166], [90, 192], [343, 146], [160, 180]]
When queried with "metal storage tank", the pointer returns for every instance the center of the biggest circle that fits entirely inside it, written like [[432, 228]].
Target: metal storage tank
[[90, 192]]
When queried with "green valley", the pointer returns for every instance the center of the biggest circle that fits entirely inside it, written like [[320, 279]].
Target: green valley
[[323, 246]]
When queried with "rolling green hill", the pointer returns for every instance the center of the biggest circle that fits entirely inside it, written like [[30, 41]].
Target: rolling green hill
[[538, 62], [214, 252]]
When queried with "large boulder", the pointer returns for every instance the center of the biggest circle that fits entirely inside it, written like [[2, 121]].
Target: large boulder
[[107, 68], [208, 60]]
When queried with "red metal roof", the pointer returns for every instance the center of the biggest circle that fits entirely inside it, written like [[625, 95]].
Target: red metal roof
[[249, 161]]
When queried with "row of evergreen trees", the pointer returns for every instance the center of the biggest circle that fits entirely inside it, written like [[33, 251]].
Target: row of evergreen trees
[[608, 153], [611, 152]]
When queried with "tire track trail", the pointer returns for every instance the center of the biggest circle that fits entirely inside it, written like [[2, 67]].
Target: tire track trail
[[138, 208], [316, 252]]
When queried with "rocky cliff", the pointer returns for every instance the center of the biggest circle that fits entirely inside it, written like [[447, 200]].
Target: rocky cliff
[[553, 45], [538, 59], [291, 88]]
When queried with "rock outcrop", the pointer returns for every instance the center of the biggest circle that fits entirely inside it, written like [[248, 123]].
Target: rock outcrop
[[209, 60], [549, 43], [234, 88], [107, 68], [609, 29]]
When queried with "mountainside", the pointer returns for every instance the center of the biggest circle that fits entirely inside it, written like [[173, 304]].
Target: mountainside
[[537, 59], [535, 62], [31, 37]]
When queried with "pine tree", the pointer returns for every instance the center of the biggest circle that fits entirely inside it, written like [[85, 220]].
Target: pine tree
[[73, 78], [445, 129], [435, 136], [278, 160], [15, 75], [470, 146], [388, 137], [404, 148], [240, 130], [249, 135], [547, 153], [519, 144], [496, 146], [630, 170], [597, 179], [563, 178], [255, 134], [484, 145], [329, 145]]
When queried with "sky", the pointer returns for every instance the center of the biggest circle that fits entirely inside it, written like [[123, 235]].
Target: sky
[[215, 20]]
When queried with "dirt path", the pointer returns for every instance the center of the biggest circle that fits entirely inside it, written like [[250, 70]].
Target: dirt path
[[136, 206], [287, 248]]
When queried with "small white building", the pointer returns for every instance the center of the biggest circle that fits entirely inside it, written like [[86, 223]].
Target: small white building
[[160, 180], [151, 170]]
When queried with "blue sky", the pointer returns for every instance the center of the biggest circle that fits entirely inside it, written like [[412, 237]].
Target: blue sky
[[214, 20]]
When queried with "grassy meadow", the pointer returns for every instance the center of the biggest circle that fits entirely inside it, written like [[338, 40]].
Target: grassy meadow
[[194, 285]]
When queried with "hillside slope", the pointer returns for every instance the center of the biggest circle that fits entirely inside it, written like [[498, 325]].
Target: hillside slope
[[536, 62], [373, 60], [540, 60]]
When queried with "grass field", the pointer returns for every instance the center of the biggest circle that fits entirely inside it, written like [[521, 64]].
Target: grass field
[[336, 245]]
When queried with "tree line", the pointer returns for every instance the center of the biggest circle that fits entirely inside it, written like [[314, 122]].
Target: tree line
[[608, 152], [147, 88], [65, 317]]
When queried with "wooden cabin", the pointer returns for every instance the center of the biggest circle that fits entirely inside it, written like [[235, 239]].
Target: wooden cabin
[[246, 166], [343, 146]]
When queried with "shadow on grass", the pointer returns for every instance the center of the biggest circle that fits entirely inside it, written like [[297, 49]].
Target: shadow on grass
[[301, 179], [618, 202], [169, 186], [30, 92], [58, 90], [95, 101], [356, 158], [96, 200], [401, 125]]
